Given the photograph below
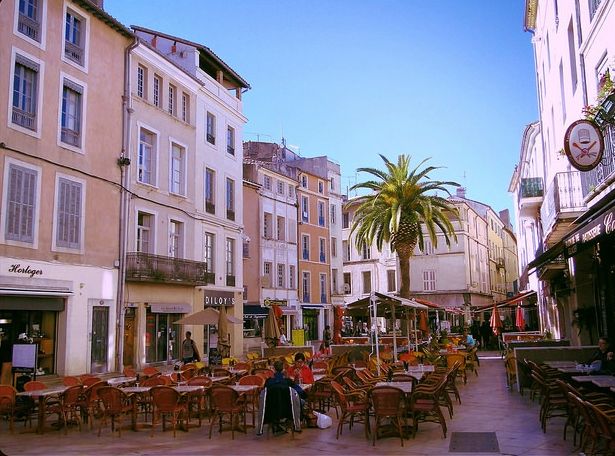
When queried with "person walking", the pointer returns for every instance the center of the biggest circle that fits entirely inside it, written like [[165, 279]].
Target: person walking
[[485, 334], [189, 351]]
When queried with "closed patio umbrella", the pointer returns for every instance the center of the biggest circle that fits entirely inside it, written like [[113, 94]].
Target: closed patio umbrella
[[519, 319], [224, 340], [271, 330], [495, 322], [423, 321]]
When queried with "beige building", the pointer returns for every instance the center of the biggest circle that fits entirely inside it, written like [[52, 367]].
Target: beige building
[[61, 135]]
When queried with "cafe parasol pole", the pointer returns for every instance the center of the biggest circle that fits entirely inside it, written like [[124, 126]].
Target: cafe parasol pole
[[372, 300]]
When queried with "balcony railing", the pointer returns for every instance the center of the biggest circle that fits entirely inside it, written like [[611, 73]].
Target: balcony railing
[[605, 171], [29, 27], [230, 150], [23, 118], [230, 280], [230, 214], [531, 187], [71, 137], [73, 52], [564, 198], [211, 138], [145, 267], [210, 208]]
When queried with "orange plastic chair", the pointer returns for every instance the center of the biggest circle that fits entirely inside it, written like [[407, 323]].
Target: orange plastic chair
[[168, 402], [89, 381]]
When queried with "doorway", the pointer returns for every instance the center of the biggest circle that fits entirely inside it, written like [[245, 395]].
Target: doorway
[[100, 339]]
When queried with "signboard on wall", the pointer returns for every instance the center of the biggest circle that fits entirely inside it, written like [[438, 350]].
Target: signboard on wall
[[219, 298], [25, 357]]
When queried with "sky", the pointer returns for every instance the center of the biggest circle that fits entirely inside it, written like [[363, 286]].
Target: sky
[[448, 80]]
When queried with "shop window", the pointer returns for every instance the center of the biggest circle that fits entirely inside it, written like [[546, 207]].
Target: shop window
[[162, 337]]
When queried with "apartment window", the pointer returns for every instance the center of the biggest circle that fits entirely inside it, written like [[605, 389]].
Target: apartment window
[[572, 55], [334, 281], [141, 81], [391, 278], [267, 182], [291, 191], [267, 274], [331, 184], [147, 157], [280, 185], [305, 247], [321, 187], [230, 199], [267, 228], [230, 257], [429, 280], [176, 239], [323, 287], [72, 96], [304, 181], [178, 169], [345, 220], [305, 209], [428, 246], [145, 232], [281, 228], [29, 22], [25, 93], [230, 140], [171, 100], [322, 248], [347, 283], [561, 88], [211, 128], [21, 204], [246, 249], [210, 185], [306, 287], [281, 278], [69, 214], [156, 88], [366, 253], [74, 38], [346, 249], [208, 252], [367, 281], [601, 72], [333, 247], [321, 213], [332, 217], [291, 277], [292, 231], [185, 107]]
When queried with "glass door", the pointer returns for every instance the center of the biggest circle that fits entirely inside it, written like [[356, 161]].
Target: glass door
[[100, 338]]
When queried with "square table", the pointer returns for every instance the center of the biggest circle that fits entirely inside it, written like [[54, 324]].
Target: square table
[[605, 381], [119, 381], [42, 396], [560, 364], [406, 387]]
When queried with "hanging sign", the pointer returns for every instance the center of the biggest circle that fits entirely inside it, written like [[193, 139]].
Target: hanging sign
[[584, 145]]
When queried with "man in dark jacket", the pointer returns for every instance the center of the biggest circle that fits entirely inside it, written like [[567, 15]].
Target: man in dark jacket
[[604, 354]]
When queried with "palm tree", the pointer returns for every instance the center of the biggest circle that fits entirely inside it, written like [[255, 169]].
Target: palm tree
[[401, 202]]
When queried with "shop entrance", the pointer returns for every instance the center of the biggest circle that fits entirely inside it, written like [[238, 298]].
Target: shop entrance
[[310, 323], [100, 338], [161, 337]]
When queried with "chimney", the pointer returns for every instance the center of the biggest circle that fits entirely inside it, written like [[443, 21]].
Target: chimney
[[461, 192]]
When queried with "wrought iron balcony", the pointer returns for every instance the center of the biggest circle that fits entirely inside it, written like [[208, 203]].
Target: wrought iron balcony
[[563, 201], [603, 174], [230, 280], [73, 52], [210, 207], [29, 27], [145, 267]]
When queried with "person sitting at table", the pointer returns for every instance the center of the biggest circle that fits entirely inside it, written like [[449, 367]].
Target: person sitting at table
[[604, 354], [283, 339], [300, 372], [467, 339], [279, 409]]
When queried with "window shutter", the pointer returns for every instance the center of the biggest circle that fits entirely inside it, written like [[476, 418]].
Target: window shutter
[[69, 214]]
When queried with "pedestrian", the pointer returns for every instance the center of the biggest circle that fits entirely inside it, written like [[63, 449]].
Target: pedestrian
[[6, 355], [189, 351], [485, 334], [327, 337]]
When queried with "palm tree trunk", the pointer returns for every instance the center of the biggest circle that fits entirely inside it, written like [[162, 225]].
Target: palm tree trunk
[[404, 271]]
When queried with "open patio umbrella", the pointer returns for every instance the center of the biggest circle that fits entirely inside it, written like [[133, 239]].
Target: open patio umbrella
[[519, 319], [495, 322], [224, 340], [271, 330]]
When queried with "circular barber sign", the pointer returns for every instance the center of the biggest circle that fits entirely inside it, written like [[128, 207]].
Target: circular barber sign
[[584, 145]]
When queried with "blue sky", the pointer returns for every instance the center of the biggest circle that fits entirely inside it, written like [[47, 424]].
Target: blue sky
[[451, 80]]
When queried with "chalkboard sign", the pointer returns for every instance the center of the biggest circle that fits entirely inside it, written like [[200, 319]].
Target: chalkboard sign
[[24, 357]]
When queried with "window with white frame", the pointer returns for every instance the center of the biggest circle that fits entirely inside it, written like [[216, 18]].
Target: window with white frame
[[321, 213], [322, 249], [141, 81], [367, 281], [304, 181], [267, 182], [176, 239], [210, 186], [145, 232], [305, 209], [321, 186], [69, 214], [323, 287], [74, 37], [601, 72], [21, 204], [156, 89], [428, 246], [185, 107], [306, 286], [230, 257], [305, 247], [429, 280], [291, 277], [211, 128], [25, 93], [345, 220], [346, 249], [333, 247], [29, 21], [331, 184], [147, 157], [208, 251], [281, 278], [246, 248], [291, 191], [72, 109], [334, 281], [172, 100], [267, 265], [333, 209], [178, 169], [281, 228], [280, 186], [366, 253], [230, 199], [347, 283], [267, 225], [230, 140], [391, 280]]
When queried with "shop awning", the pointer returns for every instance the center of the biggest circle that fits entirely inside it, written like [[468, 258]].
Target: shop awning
[[32, 303], [255, 311], [510, 302], [591, 227], [546, 257]]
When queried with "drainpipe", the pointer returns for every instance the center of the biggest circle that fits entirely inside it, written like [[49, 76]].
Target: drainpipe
[[123, 161]]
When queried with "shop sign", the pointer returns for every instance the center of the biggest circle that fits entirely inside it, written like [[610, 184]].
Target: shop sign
[[219, 298], [584, 145], [275, 302], [26, 270], [604, 224], [170, 308]]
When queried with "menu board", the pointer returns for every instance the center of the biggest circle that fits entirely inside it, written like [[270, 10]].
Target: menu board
[[24, 357]]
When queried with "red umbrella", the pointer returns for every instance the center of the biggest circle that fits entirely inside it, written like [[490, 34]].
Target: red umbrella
[[495, 322], [423, 321], [520, 319]]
